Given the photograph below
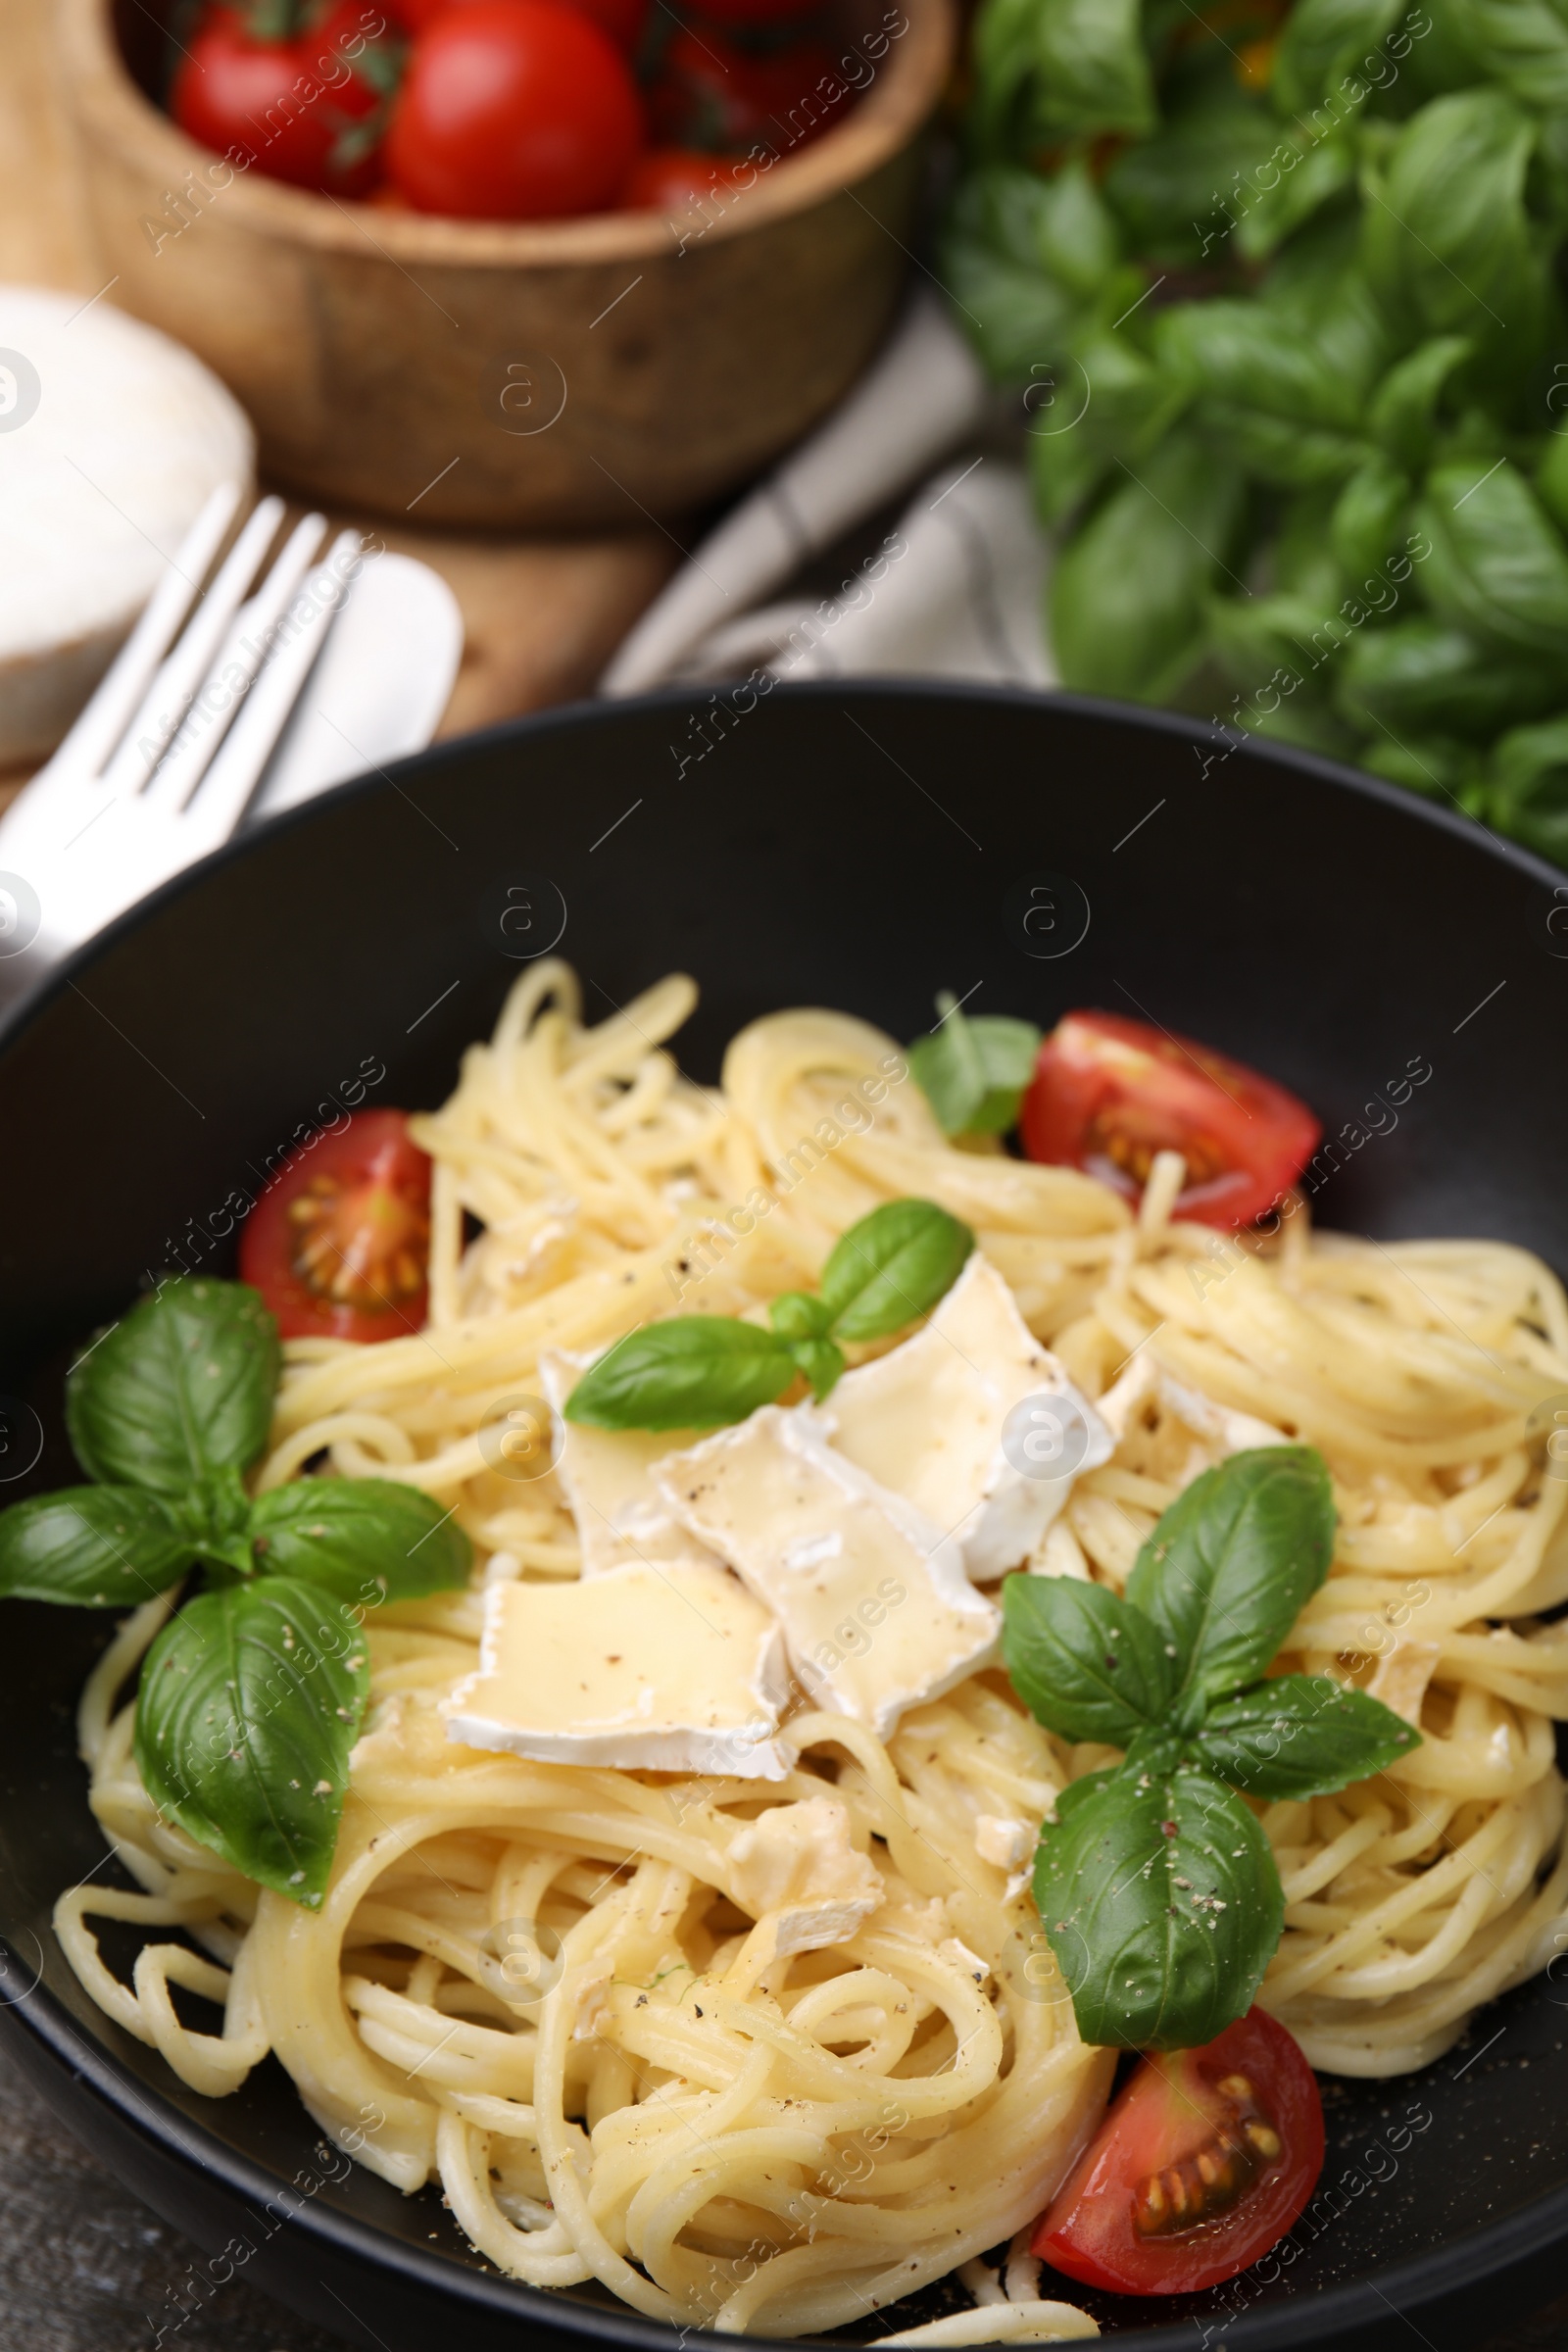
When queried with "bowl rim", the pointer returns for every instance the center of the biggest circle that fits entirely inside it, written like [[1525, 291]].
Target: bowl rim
[[1296, 2325], [907, 80], [587, 710], [1464, 2262]]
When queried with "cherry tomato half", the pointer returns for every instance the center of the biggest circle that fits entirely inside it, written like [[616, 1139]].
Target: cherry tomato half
[[1110, 1093], [710, 92], [514, 110], [339, 1246], [301, 109], [1203, 2163]]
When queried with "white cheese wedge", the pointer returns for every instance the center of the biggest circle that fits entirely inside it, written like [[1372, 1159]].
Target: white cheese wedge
[[797, 1861], [672, 1669], [112, 437], [621, 1516], [877, 1610], [1004, 1841], [928, 1420], [1221, 1429]]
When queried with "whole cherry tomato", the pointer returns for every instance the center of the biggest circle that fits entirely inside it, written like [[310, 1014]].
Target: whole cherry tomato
[[308, 108], [711, 93], [623, 20], [514, 110], [743, 13], [676, 181], [414, 14]]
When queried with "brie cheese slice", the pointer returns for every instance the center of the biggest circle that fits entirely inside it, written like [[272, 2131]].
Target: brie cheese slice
[[662, 1669], [928, 1420], [1221, 1429], [876, 1608], [797, 1860], [621, 1516]]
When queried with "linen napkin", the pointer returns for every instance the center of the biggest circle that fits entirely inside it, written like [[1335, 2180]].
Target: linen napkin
[[952, 591]]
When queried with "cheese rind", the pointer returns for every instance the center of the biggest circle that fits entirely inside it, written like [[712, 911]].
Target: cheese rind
[[1221, 1427], [1004, 1841], [621, 1516], [876, 1607], [660, 1669], [114, 438], [928, 1420], [797, 1861]]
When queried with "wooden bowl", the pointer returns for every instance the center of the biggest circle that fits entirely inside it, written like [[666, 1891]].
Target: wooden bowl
[[532, 373]]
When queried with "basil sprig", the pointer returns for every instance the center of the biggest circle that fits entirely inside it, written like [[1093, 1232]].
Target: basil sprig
[[974, 1072], [1154, 1882], [252, 1697], [704, 1371]]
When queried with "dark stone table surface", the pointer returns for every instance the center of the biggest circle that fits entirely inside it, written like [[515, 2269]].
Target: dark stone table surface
[[84, 2266]]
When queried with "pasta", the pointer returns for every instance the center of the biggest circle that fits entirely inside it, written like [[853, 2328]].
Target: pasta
[[537, 1984]]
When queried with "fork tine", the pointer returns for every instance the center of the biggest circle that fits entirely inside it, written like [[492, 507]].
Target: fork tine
[[101, 722], [230, 780], [168, 699], [220, 697]]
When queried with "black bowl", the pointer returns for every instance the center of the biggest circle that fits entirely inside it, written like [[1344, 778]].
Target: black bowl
[[860, 849]]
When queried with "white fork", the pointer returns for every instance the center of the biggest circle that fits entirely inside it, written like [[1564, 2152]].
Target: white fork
[[159, 768]]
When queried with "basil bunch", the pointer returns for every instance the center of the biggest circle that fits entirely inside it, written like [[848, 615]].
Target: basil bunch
[[702, 1371], [252, 1697], [1154, 1882], [1291, 297], [974, 1071]]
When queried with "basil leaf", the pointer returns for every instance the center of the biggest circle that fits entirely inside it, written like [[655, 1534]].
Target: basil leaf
[[1498, 566], [796, 1315], [250, 1702], [692, 1372], [1231, 1565], [1161, 1902], [1079, 1791], [1079, 65], [216, 1514], [1551, 478], [1085, 1663], [1367, 526], [1312, 171], [1523, 45], [1319, 41], [1446, 240], [1302, 1735], [365, 1540], [891, 1266], [1016, 313], [95, 1547], [1128, 593], [1430, 764], [1003, 62], [1404, 408], [1259, 371], [1528, 786], [182, 1387], [1423, 676], [1132, 407], [822, 1362], [973, 1072], [1265, 641], [1165, 189]]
